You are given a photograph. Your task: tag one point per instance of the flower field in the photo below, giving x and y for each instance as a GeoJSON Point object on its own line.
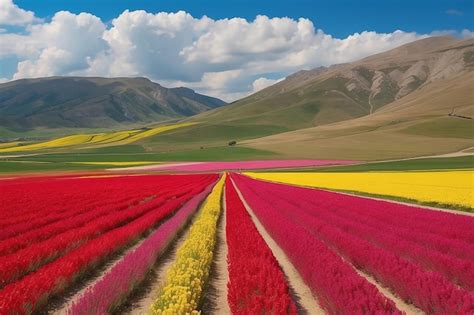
{"type": "Point", "coordinates": [417, 270]}
{"type": "Point", "coordinates": [239, 165]}
{"type": "Point", "coordinates": [116, 284]}
{"type": "Point", "coordinates": [92, 244]}
{"type": "Point", "coordinates": [452, 188]}
{"type": "Point", "coordinates": [45, 267]}
{"type": "Point", "coordinates": [97, 139]}
{"type": "Point", "coordinates": [253, 271]}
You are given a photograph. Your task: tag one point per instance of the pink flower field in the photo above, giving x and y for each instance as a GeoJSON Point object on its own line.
{"type": "Point", "coordinates": [238, 165]}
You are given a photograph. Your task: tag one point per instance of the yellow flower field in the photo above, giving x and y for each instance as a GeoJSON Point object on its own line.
{"type": "Point", "coordinates": [100, 139]}
{"type": "Point", "coordinates": [448, 188]}
{"type": "Point", "coordinates": [5, 145]}
{"type": "Point", "coordinates": [186, 278]}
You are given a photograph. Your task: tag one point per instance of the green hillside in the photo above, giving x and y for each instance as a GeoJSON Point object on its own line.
{"type": "Point", "coordinates": [415, 100]}
{"type": "Point", "coordinates": [56, 104]}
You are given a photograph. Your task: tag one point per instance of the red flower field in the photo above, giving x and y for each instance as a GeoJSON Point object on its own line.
{"type": "Point", "coordinates": [354, 254]}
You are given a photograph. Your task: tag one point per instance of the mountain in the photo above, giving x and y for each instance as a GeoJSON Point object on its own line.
{"type": "Point", "coordinates": [89, 102]}
{"type": "Point", "coordinates": [414, 100]}
{"type": "Point", "coordinates": [390, 105]}
{"type": "Point", "coordinates": [341, 92]}
{"type": "Point", "coordinates": [421, 102]}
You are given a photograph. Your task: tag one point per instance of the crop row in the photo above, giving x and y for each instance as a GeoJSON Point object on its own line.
{"type": "Point", "coordinates": [31, 292]}
{"type": "Point", "coordinates": [25, 227]}
{"type": "Point", "coordinates": [256, 284]}
{"type": "Point", "coordinates": [363, 218]}
{"type": "Point", "coordinates": [57, 198]}
{"type": "Point", "coordinates": [417, 274]}
{"type": "Point", "coordinates": [53, 202]}
{"type": "Point", "coordinates": [338, 287]}
{"type": "Point", "coordinates": [76, 216]}
{"type": "Point", "coordinates": [22, 236]}
{"type": "Point", "coordinates": [446, 188]}
{"type": "Point", "coordinates": [107, 293]}
{"type": "Point", "coordinates": [28, 259]}
{"type": "Point", "coordinates": [186, 278]}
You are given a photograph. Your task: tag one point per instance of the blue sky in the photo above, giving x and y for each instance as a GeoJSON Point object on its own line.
{"type": "Point", "coordinates": [337, 17]}
{"type": "Point", "coordinates": [227, 49]}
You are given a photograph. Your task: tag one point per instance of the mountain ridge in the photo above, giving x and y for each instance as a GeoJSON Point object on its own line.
{"type": "Point", "coordinates": [95, 102]}
{"type": "Point", "coordinates": [384, 106]}
{"type": "Point", "coordinates": [405, 102]}
{"type": "Point", "coordinates": [360, 87]}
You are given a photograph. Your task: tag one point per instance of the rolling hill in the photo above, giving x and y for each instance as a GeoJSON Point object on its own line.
{"type": "Point", "coordinates": [390, 105]}
{"type": "Point", "coordinates": [430, 103]}
{"type": "Point", "coordinates": [341, 92]}
{"type": "Point", "coordinates": [414, 100]}
{"type": "Point", "coordinates": [417, 125]}
{"type": "Point", "coordinates": [80, 102]}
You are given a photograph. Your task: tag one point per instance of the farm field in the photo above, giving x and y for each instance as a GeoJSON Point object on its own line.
{"type": "Point", "coordinates": [449, 188]}
{"type": "Point", "coordinates": [86, 244]}
{"type": "Point", "coordinates": [238, 165]}
{"type": "Point", "coordinates": [419, 164]}
{"type": "Point", "coordinates": [278, 158]}
{"type": "Point", "coordinates": [90, 140]}
{"type": "Point", "coordinates": [119, 156]}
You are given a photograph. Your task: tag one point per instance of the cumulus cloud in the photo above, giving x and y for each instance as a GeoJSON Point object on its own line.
{"type": "Point", "coordinates": [227, 58]}
{"type": "Point", "coordinates": [262, 83]}
{"type": "Point", "coordinates": [66, 44]}
{"type": "Point", "coordinates": [148, 44]}
{"type": "Point", "coordinates": [465, 33]}
{"type": "Point", "coordinates": [11, 14]}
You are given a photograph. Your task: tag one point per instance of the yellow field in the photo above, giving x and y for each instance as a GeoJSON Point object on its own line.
{"type": "Point", "coordinates": [448, 188]}
{"type": "Point", "coordinates": [186, 278]}
{"type": "Point", "coordinates": [9, 144]}
{"type": "Point", "coordinates": [106, 138]}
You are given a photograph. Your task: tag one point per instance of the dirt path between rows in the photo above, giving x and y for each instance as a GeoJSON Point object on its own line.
{"type": "Point", "coordinates": [302, 294]}
{"type": "Point", "coordinates": [60, 305]}
{"type": "Point", "coordinates": [215, 294]}
{"type": "Point", "coordinates": [140, 302]}
{"type": "Point", "coordinates": [215, 299]}
{"type": "Point", "coordinates": [303, 291]}
{"type": "Point", "coordinates": [409, 309]}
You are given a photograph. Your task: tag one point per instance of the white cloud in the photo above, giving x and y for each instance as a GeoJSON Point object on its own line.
{"type": "Point", "coordinates": [465, 33]}
{"type": "Point", "coordinates": [11, 14]}
{"type": "Point", "coordinates": [227, 58]}
{"type": "Point", "coordinates": [262, 83]}
{"type": "Point", "coordinates": [67, 44]}
{"type": "Point", "coordinates": [142, 43]}
{"type": "Point", "coordinates": [236, 41]}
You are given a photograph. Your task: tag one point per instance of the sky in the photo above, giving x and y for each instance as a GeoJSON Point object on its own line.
{"type": "Point", "coordinates": [227, 49]}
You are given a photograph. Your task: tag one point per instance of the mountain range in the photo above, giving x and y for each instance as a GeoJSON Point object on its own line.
{"type": "Point", "coordinates": [403, 102]}
{"type": "Point", "coordinates": [414, 100]}
{"type": "Point", "coordinates": [88, 102]}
